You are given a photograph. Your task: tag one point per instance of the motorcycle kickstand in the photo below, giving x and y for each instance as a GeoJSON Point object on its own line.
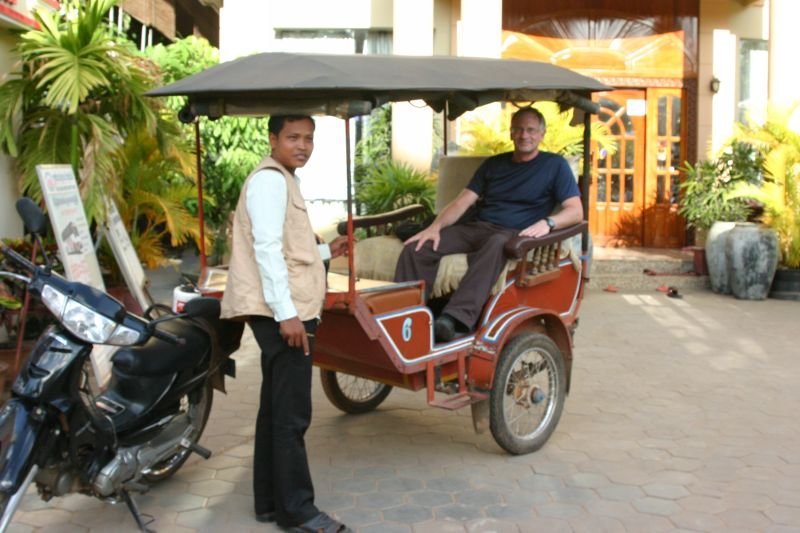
{"type": "Point", "coordinates": [137, 515]}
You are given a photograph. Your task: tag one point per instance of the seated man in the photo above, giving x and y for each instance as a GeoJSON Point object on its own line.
{"type": "Point", "coordinates": [517, 191]}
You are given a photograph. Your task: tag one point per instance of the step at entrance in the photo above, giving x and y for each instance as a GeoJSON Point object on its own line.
{"type": "Point", "coordinates": [645, 269]}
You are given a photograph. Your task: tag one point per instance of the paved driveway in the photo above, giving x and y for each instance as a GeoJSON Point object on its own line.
{"type": "Point", "coordinates": [683, 416]}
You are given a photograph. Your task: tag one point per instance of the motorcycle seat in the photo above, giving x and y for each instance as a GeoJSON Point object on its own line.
{"type": "Point", "coordinates": [157, 357]}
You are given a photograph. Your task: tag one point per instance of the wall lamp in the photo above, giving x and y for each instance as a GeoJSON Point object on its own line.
{"type": "Point", "coordinates": [714, 85]}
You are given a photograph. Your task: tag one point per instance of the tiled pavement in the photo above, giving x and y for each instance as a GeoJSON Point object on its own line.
{"type": "Point", "coordinates": [683, 416]}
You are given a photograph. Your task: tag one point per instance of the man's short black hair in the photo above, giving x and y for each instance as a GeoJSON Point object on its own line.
{"type": "Point", "coordinates": [533, 111]}
{"type": "Point", "coordinates": [276, 122]}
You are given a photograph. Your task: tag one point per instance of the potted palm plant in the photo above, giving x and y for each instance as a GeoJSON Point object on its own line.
{"type": "Point", "coordinates": [706, 205]}
{"type": "Point", "coordinates": [77, 97]}
{"type": "Point", "coordinates": [779, 194]}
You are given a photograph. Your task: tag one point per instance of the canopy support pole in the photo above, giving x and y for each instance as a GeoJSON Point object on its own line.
{"type": "Point", "coordinates": [200, 214]}
{"type": "Point", "coordinates": [444, 129]}
{"type": "Point", "coordinates": [586, 178]}
{"type": "Point", "coordinates": [351, 285]}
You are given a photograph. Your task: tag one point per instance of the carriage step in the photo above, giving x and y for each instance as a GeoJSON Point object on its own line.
{"type": "Point", "coordinates": [457, 401]}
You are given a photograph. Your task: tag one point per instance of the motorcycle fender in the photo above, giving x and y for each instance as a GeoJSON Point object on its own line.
{"type": "Point", "coordinates": [18, 436]}
{"type": "Point", "coordinates": [495, 335]}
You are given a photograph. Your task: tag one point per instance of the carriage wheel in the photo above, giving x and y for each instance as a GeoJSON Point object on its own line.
{"type": "Point", "coordinates": [352, 394]}
{"type": "Point", "coordinates": [528, 394]}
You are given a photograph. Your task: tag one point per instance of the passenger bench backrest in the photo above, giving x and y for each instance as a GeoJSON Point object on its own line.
{"type": "Point", "coordinates": [455, 171]}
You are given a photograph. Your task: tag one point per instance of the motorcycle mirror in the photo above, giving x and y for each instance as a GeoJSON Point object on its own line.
{"type": "Point", "coordinates": [202, 307]}
{"type": "Point", "coordinates": [32, 216]}
{"type": "Point", "coordinates": [35, 223]}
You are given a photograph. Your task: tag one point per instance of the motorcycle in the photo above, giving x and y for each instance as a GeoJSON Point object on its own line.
{"type": "Point", "coordinates": [65, 432]}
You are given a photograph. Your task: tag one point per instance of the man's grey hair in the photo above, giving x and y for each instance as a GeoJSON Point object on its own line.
{"type": "Point", "coordinates": [533, 111]}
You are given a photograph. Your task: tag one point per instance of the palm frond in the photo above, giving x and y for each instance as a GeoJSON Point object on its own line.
{"type": "Point", "coordinates": [779, 146]}
{"type": "Point", "coordinates": [490, 136]}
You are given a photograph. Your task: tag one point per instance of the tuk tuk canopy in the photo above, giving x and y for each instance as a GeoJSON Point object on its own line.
{"type": "Point", "coordinates": [351, 85]}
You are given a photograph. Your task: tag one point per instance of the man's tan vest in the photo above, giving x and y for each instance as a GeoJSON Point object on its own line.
{"type": "Point", "coordinates": [244, 295]}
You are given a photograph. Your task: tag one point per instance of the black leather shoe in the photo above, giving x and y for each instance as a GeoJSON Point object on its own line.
{"type": "Point", "coordinates": [322, 523]}
{"type": "Point", "coordinates": [444, 328]}
{"type": "Point", "coordinates": [266, 517]}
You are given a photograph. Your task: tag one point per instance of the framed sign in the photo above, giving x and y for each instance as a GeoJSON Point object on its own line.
{"type": "Point", "coordinates": [65, 208]}
{"type": "Point", "coordinates": [125, 254]}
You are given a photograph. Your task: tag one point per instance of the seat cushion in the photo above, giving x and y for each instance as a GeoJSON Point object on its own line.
{"type": "Point", "coordinates": [376, 258]}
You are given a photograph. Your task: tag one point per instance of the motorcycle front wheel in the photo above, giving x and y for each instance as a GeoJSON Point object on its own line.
{"type": "Point", "coordinates": [198, 407]}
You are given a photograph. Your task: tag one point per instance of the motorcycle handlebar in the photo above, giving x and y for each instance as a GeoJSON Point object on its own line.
{"type": "Point", "coordinates": [17, 259]}
{"type": "Point", "coordinates": [24, 263]}
{"type": "Point", "coordinates": [169, 337]}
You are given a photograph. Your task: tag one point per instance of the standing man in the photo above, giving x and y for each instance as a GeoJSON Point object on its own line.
{"type": "Point", "coordinates": [517, 191]}
{"type": "Point", "coordinates": [276, 281]}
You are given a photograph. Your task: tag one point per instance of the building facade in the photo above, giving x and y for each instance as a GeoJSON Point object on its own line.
{"type": "Point", "coordinates": [683, 72]}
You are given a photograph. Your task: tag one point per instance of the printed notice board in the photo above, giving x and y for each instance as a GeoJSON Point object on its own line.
{"type": "Point", "coordinates": [126, 256]}
{"type": "Point", "coordinates": [71, 229]}
{"type": "Point", "coordinates": [65, 208]}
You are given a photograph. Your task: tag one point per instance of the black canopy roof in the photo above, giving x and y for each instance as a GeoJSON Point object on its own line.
{"type": "Point", "coordinates": [350, 85]}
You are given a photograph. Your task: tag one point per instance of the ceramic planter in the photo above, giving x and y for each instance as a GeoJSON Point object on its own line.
{"type": "Point", "coordinates": [715, 257]}
{"type": "Point", "coordinates": [752, 254]}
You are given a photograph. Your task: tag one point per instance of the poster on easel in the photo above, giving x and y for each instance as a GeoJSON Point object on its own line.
{"type": "Point", "coordinates": [65, 208]}
{"type": "Point", "coordinates": [75, 247]}
{"type": "Point", "coordinates": [126, 256]}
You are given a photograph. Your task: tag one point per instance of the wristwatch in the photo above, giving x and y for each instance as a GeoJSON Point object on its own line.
{"type": "Point", "coordinates": [550, 223]}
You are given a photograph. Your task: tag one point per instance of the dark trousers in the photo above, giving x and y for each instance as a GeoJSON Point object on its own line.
{"type": "Point", "coordinates": [281, 478]}
{"type": "Point", "coordinates": [483, 243]}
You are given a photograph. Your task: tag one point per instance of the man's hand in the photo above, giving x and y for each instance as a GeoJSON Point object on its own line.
{"type": "Point", "coordinates": [294, 333]}
{"type": "Point", "coordinates": [539, 229]}
{"type": "Point", "coordinates": [431, 233]}
{"type": "Point", "coordinates": [338, 246]}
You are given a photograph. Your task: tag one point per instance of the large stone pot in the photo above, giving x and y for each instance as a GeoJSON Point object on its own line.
{"type": "Point", "coordinates": [752, 253]}
{"type": "Point", "coordinates": [715, 257]}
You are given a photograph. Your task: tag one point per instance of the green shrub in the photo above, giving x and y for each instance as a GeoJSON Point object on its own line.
{"type": "Point", "coordinates": [778, 147]}
{"type": "Point", "coordinates": [705, 194]}
{"type": "Point", "coordinates": [391, 185]}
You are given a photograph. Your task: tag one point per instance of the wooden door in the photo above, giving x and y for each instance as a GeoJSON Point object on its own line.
{"type": "Point", "coordinates": [666, 153]}
{"type": "Point", "coordinates": [617, 193]}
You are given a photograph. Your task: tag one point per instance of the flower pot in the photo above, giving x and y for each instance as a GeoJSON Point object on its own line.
{"type": "Point", "coordinates": [786, 284]}
{"type": "Point", "coordinates": [752, 254]}
{"type": "Point", "coordinates": [699, 260]}
{"type": "Point", "coordinates": [700, 237]}
{"type": "Point", "coordinates": [715, 257]}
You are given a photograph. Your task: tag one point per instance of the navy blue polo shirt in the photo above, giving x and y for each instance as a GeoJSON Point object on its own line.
{"type": "Point", "coordinates": [516, 195]}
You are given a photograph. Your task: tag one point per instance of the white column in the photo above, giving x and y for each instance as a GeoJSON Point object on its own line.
{"type": "Point", "coordinates": [784, 43]}
{"type": "Point", "coordinates": [480, 29]}
{"type": "Point", "coordinates": [412, 123]}
{"type": "Point", "coordinates": [723, 103]}
{"type": "Point", "coordinates": [10, 223]}
{"type": "Point", "coordinates": [479, 35]}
